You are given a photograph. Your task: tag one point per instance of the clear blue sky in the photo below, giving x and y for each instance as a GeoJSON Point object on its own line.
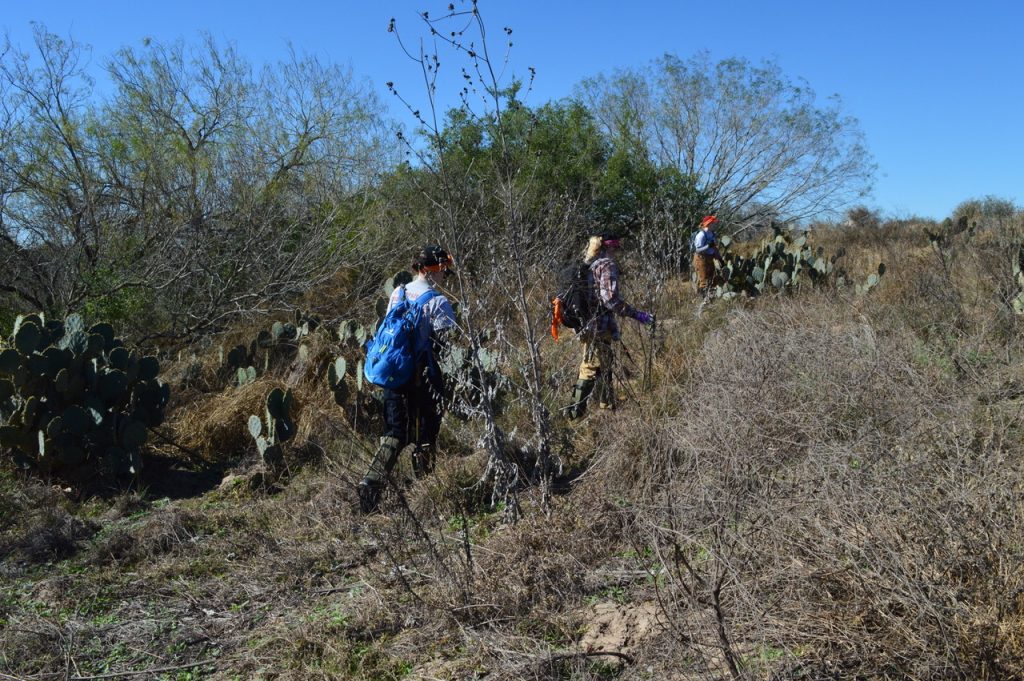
{"type": "Point", "coordinates": [938, 86]}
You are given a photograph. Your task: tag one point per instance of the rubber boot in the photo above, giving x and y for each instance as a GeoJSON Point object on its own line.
{"type": "Point", "coordinates": [372, 484]}
{"type": "Point", "coordinates": [580, 394]}
{"type": "Point", "coordinates": [422, 460]}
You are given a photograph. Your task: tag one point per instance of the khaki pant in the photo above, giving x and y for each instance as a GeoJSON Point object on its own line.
{"type": "Point", "coordinates": [597, 365]}
{"type": "Point", "coordinates": [704, 267]}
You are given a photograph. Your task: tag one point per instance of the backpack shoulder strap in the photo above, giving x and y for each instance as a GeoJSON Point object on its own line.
{"type": "Point", "coordinates": [423, 299]}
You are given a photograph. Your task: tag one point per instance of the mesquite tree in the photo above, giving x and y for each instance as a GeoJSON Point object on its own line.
{"type": "Point", "coordinates": [758, 145]}
{"type": "Point", "coordinates": [197, 190]}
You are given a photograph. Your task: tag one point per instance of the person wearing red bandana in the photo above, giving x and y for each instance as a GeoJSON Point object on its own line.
{"type": "Point", "coordinates": [705, 253]}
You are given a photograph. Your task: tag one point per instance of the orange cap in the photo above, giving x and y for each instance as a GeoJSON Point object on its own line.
{"type": "Point", "coordinates": [708, 219]}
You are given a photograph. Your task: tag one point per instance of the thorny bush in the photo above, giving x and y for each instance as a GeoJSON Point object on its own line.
{"type": "Point", "coordinates": [818, 496]}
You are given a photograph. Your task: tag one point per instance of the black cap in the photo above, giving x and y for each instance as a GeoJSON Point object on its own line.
{"type": "Point", "coordinates": [432, 256]}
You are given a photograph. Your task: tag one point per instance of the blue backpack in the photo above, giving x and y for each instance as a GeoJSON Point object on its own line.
{"type": "Point", "coordinates": [392, 355]}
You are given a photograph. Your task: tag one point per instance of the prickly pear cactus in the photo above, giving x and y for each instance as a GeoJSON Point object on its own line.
{"type": "Point", "coordinates": [352, 334]}
{"type": "Point", "coordinates": [238, 357]}
{"type": "Point", "coordinates": [353, 337]}
{"type": "Point", "coordinates": [275, 428]}
{"type": "Point", "coordinates": [72, 397]}
{"type": "Point", "coordinates": [336, 381]}
{"type": "Point", "coordinates": [400, 279]}
{"type": "Point", "coordinates": [282, 343]}
{"type": "Point", "coordinates": [467, 375]}
{"type": "Point", "coordinates": [782, 263]}
{"type": "Point", "coordinates": [872, 281]}
{"type": "Point", "coordinates": [246, 376]}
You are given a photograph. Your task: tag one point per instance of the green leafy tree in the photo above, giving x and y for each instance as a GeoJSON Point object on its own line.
{"type": "Point", "coordinates": [553, 157]}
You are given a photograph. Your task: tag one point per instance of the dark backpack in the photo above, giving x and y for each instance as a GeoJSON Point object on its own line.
{"type": "Point", "coordinates": [394, 352]}
{"type": "Point", "coordinates": [573, 294]}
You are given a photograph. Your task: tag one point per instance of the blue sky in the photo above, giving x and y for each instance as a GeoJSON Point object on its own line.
{"type": "Point", "coordinates": [938, 87]}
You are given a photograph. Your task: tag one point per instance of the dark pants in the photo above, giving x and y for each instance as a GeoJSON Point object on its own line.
{"type": "Point", "coordinates": [412, 413]}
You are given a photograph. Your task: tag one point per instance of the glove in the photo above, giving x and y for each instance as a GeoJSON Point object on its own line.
{"type": "Point", "coordinates": [644, 317]}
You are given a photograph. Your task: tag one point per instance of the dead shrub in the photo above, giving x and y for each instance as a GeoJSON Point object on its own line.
{"type": "Point", "coordinates": [49, 535]}
{"type": "Point", "coordinates": [38, 522]}
{"type": "Point", "coordinates": [820, 504]}
{"type": "Point", "coordinates": [27, 648]}
{"type": "Point", "coordinates": [217, 425]}
{"type": "Point", "coordinates": [132, 542]}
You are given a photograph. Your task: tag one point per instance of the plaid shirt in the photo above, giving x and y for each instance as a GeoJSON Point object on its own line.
{"type": "Point", "coordinates": [604, 289]}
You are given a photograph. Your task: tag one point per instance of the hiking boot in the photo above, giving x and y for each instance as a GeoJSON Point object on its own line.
{"type": "Point", "coordinates": [372, 484]}
{"type": "Point", "coordinates": [369, 495]}
{"type": "Point", "coordinates": [384, 460]}
{"type": "Point", "coordinates": [580, 394]}
{"type": "Point", "coordinates": [422, 461]}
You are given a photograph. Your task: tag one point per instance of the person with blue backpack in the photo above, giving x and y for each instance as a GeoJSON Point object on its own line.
{"type": "Point", "coordinates": [401, 359]}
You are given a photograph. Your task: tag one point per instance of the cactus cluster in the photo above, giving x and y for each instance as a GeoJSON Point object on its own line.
{"type": "Point", "coordinates": [336, 374]}
{"type": "Point", "coordinates": [72, 396]}
{"type": "Point", "coordinates": [457, 358]}
{"type": "Point", "coordinates": [781, 263]}
{"type": "Point", "coordinates": [943, 237]}
{"type": "Point", "coordinates": [353, 334]}
{"type": "Point", "coordinates": [283, 338]}
{"type": "Point", "coordinates": [871, 281]}
{"type": "Point", "coordinates": [275, 428]}
{"type": "Point", "coordinates": [353, 337]}
{"type": "Point", "coordinates": [467, 377]}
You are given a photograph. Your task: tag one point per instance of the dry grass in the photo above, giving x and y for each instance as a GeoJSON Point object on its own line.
{"type": "Point", "coordinates": [215, 424]}
{"type": "Point", "coordinates": [832, 491]}
{"type": "Point", "coordinates": [809, 486]}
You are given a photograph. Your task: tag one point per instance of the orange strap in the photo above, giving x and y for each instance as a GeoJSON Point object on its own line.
{"type": "Point", "coordinates": [556, 317]}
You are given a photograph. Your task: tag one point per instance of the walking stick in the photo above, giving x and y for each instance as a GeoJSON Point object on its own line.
{"type": "Point", "coordinates": [622, 381]}
{"type": "Point", "coordinates": [649, 369]}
